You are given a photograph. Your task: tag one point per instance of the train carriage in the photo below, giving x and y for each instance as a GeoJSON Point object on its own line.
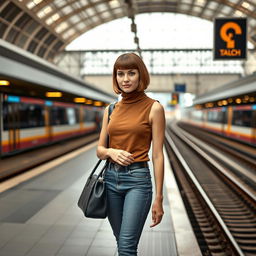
{"type": "Point", "coordinates": [30, 122]}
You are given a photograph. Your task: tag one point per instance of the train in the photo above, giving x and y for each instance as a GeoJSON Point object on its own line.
{"type": "Point", "coordinates": [236, 121]}
{"type": "Point", "coordinates": [41, 104]}
{"type": "Point", "coordinates": [29, 122]}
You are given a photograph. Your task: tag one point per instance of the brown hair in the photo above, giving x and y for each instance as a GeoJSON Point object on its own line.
{"type": "Point", "coordinates": [131, 61]}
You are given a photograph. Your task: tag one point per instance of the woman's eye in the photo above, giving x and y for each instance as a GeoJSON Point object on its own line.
{"type": "Point", "coordinates": [131, 73]}
{"type": "Point", "coordinates": [120, 74]}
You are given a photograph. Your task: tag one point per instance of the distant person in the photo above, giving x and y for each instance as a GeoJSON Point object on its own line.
{"type": "Point", "coordinates": [135, 122]}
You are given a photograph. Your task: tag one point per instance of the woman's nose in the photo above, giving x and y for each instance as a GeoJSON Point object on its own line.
{"type": "Point", "coordinates": [126, 77]}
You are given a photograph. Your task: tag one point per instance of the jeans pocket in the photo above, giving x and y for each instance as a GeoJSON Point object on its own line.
{"type": "Point", "coordinates": [140, 173]}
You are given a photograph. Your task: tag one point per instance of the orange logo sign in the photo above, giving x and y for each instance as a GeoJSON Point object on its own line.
{"type": "Point", "coordinates": [228, 37]}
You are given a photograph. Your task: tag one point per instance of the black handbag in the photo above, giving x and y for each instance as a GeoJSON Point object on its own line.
{"type": "Point", "coordinates": [93, 201]}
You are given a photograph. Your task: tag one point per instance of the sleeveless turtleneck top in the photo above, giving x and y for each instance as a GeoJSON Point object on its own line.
{"type": "Point", "coordinates": [129, 128]}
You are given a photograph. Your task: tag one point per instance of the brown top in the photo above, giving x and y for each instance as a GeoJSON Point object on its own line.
{"type": "Point", "coordinates": [129, 128]}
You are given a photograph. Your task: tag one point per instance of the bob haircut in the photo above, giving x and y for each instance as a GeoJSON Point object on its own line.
{"type": "Point", "coordinates": [131, 61]}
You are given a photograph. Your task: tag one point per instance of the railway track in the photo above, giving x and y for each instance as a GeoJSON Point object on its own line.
{"type": "Point", "coordinates": [238, 151]}
{"type": "Point", "coordinates": [221, 207]}
{"type": "Point", "coordinates": [229, 154]}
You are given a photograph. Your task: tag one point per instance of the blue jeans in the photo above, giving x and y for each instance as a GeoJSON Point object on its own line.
{"type": "Point", "coordinates": [129, 196]}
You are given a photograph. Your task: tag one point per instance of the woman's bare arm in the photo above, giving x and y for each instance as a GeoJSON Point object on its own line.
{"type": "Point", "coordinates": [158, 132]}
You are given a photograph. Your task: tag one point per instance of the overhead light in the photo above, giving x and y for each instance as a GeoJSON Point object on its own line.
{"type": "Point", "coordinates": [238, 101]}
{"type": "Point", "coordinates": [80, 100]}
{"type": "Point", "coordinates": [4, 83]}
{"type": "Point", "coordinates": [97, 103]}
{"type": "Point", "coordinates": [54, 94]}
{"type": "Point", "coordinates": [88, 101]}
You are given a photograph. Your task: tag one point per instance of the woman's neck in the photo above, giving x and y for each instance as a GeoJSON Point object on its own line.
{"type": "Point", "coordinates": [132, 97]}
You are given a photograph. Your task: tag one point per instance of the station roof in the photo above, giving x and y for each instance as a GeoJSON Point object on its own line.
{"type": "Point", "coordinates": [35, 76]}
{"type": "Point", "coordinates": [45, 27]}
{"type": "Point", "coordinates": [243, 86]}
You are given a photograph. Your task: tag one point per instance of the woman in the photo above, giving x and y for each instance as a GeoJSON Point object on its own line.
{"type": "Point", "coordinates": [135, 122]}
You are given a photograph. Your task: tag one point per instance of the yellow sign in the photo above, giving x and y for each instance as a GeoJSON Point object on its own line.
{"type": "Point", "coordinates": [230, 38]}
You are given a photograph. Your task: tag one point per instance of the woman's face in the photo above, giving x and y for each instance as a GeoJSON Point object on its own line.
{"type": "Point", "coordinates": [127, 79]}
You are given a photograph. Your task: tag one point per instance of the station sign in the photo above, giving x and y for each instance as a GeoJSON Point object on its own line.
{"type": "Point", "coordinates": [179, 87]}
{"type": "Point", "coordinates": [230, 38]}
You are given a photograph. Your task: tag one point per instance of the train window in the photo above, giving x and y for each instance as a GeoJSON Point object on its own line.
{"type": "Point", "coordinates": [72, 115]}
{"type": "Point", "coordinates": [6, 125]}
{"type": "Point", "coordinates": [20, 116]}
{"type": "Point", "coordinates": [197, 115]}
{"type": "Point", "coordinates": [216, 116]}
{"type": "Point", "coordinates": [242, 118]}
{"type": "Point", "coordinates": [89, 115]}
{"type": "Point", "coordinates": [62, 115]}
{"type": "Point", "coordinates": [31, 115]}
{"type": "Point", "coordinates": [58, 116]}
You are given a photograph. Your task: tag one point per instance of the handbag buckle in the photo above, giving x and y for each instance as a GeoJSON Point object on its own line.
{"type": "Point", "coordinates": [100, 179]}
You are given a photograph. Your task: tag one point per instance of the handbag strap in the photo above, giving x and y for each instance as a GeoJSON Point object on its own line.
{"type": "Point", "coordinates": [110, 110]}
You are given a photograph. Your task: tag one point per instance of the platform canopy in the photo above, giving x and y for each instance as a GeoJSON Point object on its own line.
{"type": "Point", "coordinates": [45, 27]}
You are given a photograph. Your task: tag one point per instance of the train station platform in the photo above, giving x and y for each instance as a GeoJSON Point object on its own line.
{"type": "Point", "coordinates": [40, 217]}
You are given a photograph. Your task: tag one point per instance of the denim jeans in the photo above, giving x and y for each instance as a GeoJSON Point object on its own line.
{"type": "Point", "coordinates": [129, 196]}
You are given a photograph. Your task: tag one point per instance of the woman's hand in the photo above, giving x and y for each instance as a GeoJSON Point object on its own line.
{"type": "Point", "coordinates": [121, 157]}
{"type": "Point", "coordinates": [157, 212]}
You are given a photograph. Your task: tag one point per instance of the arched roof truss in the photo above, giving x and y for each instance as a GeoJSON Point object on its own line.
{"type": "Point", "coordinates": [45, 27]}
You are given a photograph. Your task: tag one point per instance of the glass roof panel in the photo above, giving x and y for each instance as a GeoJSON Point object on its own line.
{"type": "Point", "coordinates": [184, 7]}
{"type": "Point", "coordinates": [94, 19]}
{"type": "Point", "coordinates": [53, 18]}
{"type": "Point", "coordinates": [117, 11]}
{"type": "Point", "coordinates": [114, 3]}
{"type": "Point", "coordinates": [84, 2]}
{"type": "Point", "coordinates": [46, 10]}
{"type": "Point", "coordinates": [226, 9]}
{"type": "Point", "coordinates": [33, 3]}
{"type": "Point", "coordinates": [252, 22]}
{"type": "Point", "coordinates": [197, 9]}
{"type": "Point", "coordinates": [234, 1]}
{"type": "Point", "coordinates": [59, 3]}
{"type": "Point", "coordinates": [66, 10]}
{"type": "Point", "coordinates": [239, 13]}
{"type": "Point", "coordinates": [186, 1]}
{"type": "Point", "coordinates": [74, 19]}
{"type": "Point", "coordinates": [212, 5]}
{"type": "Point", "coordinates": [208, 12]}
{"type": "Point", "coordinates": [69, 33]}
{"type": "Point", "coordinates": [81, 26]}
{"type": "Point", "coordinates": [101, 7]}
{"type": "Point", "coordinates": [248, 6]}
{"type": "Point", "coordinates": [90, 11]}
{"type": "Point", "coordinates": [200, 2]}
{"type": "Point", "coordinates": [62, 26]}
{"type": "Point", "coordinates": [105, 15]}
{"type": "Point", "coordinates": [30, 4]}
